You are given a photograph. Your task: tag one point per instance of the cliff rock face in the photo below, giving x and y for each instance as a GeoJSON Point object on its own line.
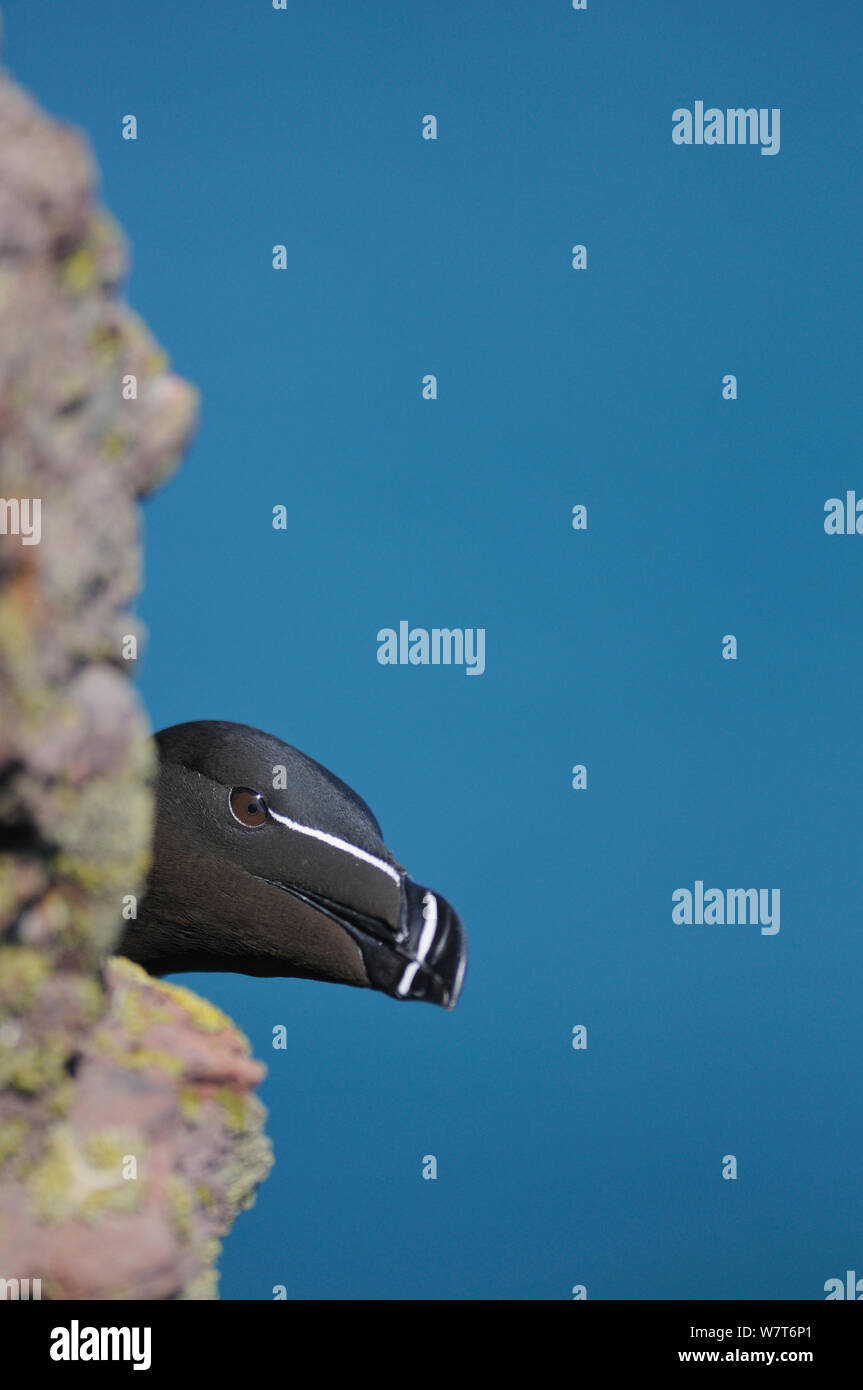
{"type": "Point", "coordinates": [129, 1134]}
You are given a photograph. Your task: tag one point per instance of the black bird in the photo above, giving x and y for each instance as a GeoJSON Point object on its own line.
{"type": "Point", "coordinates": [265, 863]}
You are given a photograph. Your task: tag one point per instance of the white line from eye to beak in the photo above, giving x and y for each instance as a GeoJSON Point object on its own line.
{"type": "Point", "coordinates": [337, 844]}
{"type": "Point", "coordinates": [427, 936]}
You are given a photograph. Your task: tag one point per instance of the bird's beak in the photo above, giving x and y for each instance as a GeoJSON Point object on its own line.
{"type": "Point", "coordinates": [423, 958]}
{"type": "Point", "coordinates": [430, 957]}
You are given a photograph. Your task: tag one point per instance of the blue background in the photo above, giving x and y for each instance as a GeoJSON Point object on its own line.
{"type": "Point", "coordinates": [258, 127]}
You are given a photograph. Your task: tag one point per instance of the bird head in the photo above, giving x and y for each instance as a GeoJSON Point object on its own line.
{"type": "Point", "coordinates": [265, 863]}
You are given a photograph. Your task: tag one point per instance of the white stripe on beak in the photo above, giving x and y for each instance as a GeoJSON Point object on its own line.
{"type": "Point", "coordinates": [427, 936]}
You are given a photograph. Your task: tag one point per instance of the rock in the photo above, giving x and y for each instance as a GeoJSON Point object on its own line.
{"type": "Point", "coordinates": [129, 1134]}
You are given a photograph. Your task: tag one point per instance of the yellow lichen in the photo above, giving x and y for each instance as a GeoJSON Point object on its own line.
{"type": "Point", "coordinates": [181, 1207]}
{"type": "Point", "coordinates": [114, 444]}
{"type": "Point", "coordinates": [89, 873]}
{"type": "Point", "coordinates": [60, 1098]}
{"type": "Point", "coordinates": [205, 1196]}
{"type": "Point", "coordinates": [107, 1148]}
{"type": "Point", "coordinates": [127, 969]}
{"type": "Point", "coordinates": [8, 876]}
{"type": "Point", "coordinates": [205, 1284]}
{"type": "Point", "coordinates": [23, 971]}
{"type": "Point", "coordinates": [106, 340]}
{"type": "Point", "coordinates": [51, 1180]}
{"type": "Point", "coordinates": [126, 1197]}
{"type": "Point", "coordinates": [92, 999]}
{"type": "Point", "coordinates": [137, 1011]}
{"type": "Point", "coordinates": [250, 1165]}
{"type": "Point", "coordinates": [157, 362]}
{"type": "Point", "coordinates": [200, 1012]}
{"type": "Point", "coordinates": [12, 1135]}
{"type": "Point", "coordinates": [86, 1179]}
{"type": "Point", "coordinates": [190, 1103]}
{"type": "Point", "coordinates": [33, 1068]}
{"type": "Point", "coordinates": [137, 1058]}
{"type": "Point", "coordinates": [79, 272]}
{"type": "Point", "coordinates": [234, 1109]}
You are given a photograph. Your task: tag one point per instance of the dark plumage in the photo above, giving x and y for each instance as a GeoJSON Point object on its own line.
{"type": "Point", "coordinates": [282, 880]}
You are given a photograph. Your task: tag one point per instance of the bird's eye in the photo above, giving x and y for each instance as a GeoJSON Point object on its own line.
{"type": "Point", "coordinates": [248, 807]}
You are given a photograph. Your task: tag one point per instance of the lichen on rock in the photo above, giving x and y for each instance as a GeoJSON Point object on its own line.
{"type": "Point", "coordinates": [130, 1134]}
